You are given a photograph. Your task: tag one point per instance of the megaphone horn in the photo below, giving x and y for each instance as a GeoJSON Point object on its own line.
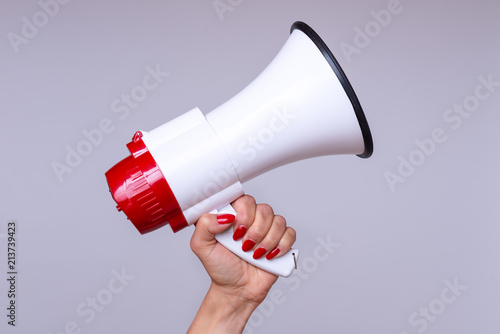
{"type": "Point", "coordinates": [301, 106]}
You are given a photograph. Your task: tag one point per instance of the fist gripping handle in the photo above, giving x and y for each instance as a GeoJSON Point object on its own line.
{"type": "Point", "coordinates": [280, 266]}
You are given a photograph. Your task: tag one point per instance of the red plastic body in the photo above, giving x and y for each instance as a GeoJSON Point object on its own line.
{"type": "Point", "coordinates": [142, 192]}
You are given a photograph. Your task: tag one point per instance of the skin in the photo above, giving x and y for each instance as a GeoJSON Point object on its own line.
{"type": "Point", "coordinates": [237, 288]}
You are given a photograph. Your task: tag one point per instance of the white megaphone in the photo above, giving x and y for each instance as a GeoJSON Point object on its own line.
{"type": "Point", "coordinates": [300, 106]}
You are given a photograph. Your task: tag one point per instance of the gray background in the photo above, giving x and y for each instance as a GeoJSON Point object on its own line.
{"type": "Point", "coordinates": [394, 251]}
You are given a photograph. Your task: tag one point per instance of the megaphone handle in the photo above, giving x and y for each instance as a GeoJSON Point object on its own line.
{"type": "Point", "coordinates": [281, 266]}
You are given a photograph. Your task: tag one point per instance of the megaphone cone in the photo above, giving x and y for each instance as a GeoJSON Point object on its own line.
{"type": "Point", "coordinates": [301, 106]}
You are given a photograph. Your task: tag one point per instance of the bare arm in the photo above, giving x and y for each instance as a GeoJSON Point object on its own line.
{"type": "Point", "coordinates": [237, 288]}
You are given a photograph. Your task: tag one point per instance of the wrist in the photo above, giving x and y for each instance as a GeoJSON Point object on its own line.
{"type": "Point", "coordinates": [236, 299]}
{"type": "Point", "coordinates": [222, 311]}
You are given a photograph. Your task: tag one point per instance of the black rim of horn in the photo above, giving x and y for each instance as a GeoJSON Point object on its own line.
{"type": "Point", "coordinates": [360, 115]}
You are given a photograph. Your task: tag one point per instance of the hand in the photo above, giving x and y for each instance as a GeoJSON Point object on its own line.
{"type": "Point", "coordinates": [238, 287]}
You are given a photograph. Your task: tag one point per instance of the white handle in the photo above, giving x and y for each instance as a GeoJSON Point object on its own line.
{"type": "Point", "coordinates": [282, 266]}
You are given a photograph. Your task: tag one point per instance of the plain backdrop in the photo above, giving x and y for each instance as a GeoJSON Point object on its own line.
{"type": "Point", "coordinates": [404, 242]}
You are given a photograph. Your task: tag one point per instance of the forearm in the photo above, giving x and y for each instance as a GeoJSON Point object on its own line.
{"type": "Point", "coordinates": [221, 313]}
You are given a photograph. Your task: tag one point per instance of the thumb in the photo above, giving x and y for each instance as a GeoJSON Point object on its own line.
{"type": "Point", "coordinates": [203, 239]}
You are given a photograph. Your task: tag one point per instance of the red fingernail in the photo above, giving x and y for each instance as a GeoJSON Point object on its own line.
{"type": "Point", "coordinates": [273, 253]}
{"type": "Point", "coordinates": [225, 218]}
{"type": "Point", "coordinates": [259, 252]}
{"type": "Point", "coordinates": [247, 245]}
{"type": "Point", "coordinates": [239, 233]}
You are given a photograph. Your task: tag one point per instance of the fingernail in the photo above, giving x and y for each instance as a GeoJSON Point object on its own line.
{"type": "Point", "coordinates": [273, 253]}
{"type": "Point", "coordinates": [239, 233]}
{"type": "Point", "coordinates": [225, 218]}
{"type": "Point", "coordinates": [247, 245]}
{"type": "Point", "coordinates": [259, 252]}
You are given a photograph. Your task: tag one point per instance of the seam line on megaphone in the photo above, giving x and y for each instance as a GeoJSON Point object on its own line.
{"type": "Point", "coordinates": [224, 148]}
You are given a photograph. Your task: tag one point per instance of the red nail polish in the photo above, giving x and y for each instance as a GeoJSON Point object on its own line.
{"type": "Point", "coordinates": [247, 245]}
{"type": "Point", "coordinates": [239, 233]}
{"type": "Point", "coordinates": [259, 252]}
{"type": "Point", "coordinates": [273, 253]}
{"type": "Point", "coordinates": [225, 218]}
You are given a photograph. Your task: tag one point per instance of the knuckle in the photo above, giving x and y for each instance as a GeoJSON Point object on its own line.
{"type": "Point", "coordinates": [258, 231]}
{"type": "Point", "coordinates": [280, 221]}
{"type": "Point", "coordinates": [193, 243]}
{"type": "Point", "coordinates": [265, 210]}
{"type": "Point", "coordinates": [247, 200]}
{"type": "Point", "coordinates": [292, 233]}
{"type": "Point", "coordinates": [243, 217]}
{"type": "Point", "coordinates": [204, 220]}
{"type": "Point", "coordinates": [245, 208]}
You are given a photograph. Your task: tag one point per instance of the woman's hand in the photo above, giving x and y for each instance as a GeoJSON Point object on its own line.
{"type": "Point", "coordinates": [237, 287]}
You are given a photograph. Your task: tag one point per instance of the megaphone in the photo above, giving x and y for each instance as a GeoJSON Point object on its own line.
{"type": "Point", "coordinates": [301, 106]}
